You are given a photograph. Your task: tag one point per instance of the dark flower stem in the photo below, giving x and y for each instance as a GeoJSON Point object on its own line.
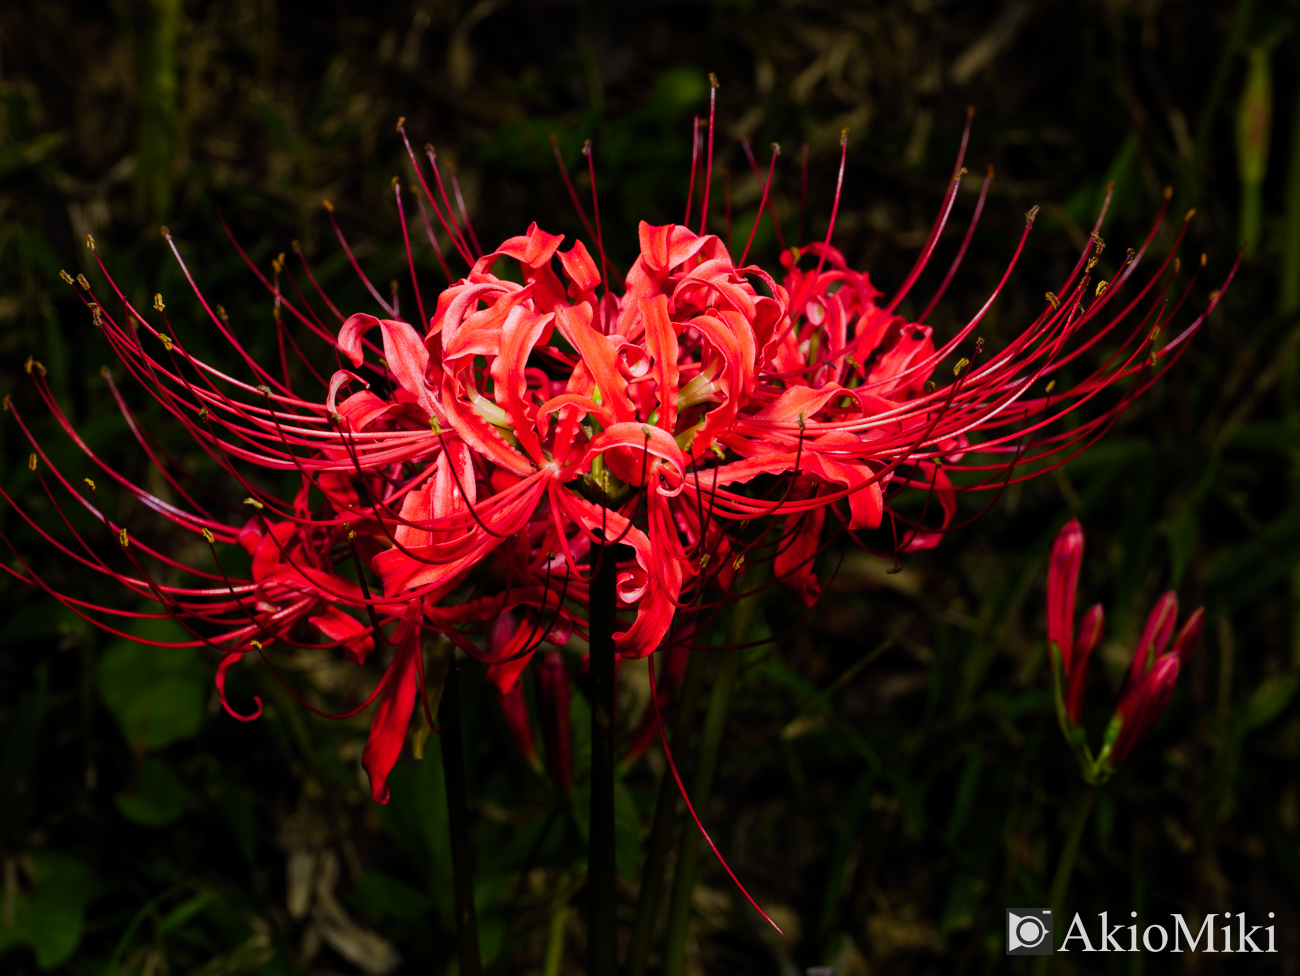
{"type": "Point", "coordinates": [661, 834]}
{"type": "Point", "coordinates": [1065, 868]}
{"type": "Point", "coordinates": [453, 770]}
{"type": "Point", "coordinates": [715, 720]}
{"type": "Point", "coordinates": [602, 936]}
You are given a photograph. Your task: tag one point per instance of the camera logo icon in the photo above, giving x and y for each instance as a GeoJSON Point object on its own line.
{"type": "Point", "coordinates": [1029, 931]}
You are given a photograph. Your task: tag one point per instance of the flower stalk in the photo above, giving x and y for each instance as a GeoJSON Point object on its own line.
{"type": "Point", "coordinates": [688, 850]}
{"type": "Point", "coordinates": [602, 933]}
{"type": "Point", "coordinates": [453, 768]}
{"type": "Point", "coordinates": [661, 832]}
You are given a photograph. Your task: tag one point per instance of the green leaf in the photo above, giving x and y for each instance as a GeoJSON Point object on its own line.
{"type": "Point", "coordinates": [49, 918]}
{"type": "Point", "coordinates": [627, 831]}
{"type": "Point", "coordinates": [1267, 702]}
{"type": "Point", "coordinates": [1183, 532]}
{"type": "Point", "coordinates": [381, 894]}
{"type": "Point", "coordinates": [158, 797]}
{"type": "Point", "coordinates": [155, 693]}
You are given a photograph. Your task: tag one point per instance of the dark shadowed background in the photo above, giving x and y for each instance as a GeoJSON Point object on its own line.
{"type": "Point", "coordinates": [886, 812]}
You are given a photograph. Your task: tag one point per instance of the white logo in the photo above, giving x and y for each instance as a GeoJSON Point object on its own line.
{"type": "Point", "coordinates": [1029, 931]}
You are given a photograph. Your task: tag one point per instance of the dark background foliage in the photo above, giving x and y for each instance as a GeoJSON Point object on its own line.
{"type": "Point", "coordinates": [893, 776]}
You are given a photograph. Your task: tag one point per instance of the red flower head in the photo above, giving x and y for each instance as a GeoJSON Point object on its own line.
{"type": "Point", "coordinates": [468, 468]}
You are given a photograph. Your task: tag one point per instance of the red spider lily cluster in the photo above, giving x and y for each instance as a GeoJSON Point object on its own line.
{"type": "Point", "coordinates": [1152, 673]}
{"type": "Point", "coordinates": [463, 471]}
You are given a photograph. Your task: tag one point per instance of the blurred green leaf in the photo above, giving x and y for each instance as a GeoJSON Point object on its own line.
{"type": "Point", "coordinates": [19, 754]}
{"type": "Point", "coordinates": [155, 693]}
{"type": "Point", "coordinates": [378, 893]}
{"type": "Point", "coordinates": [49, 917]}
{"type": "Point", "coordinates": [157, 798]}
{"type": "Point", "coordinates": [627, 831]}
{"type": "Point", "coordinates": [1267, 702]}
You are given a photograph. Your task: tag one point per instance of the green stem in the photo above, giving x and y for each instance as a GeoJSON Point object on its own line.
{"type": "Point", "coordinates": [602, 935]}
{"type": "Point", "coordinates": [554, 955]}
{"type": "Point", "coordinates": [453, 770]}
{"type": "Point", "coordinates": [156, 134]}
{"type": "Point", "coordinates": [1289, 278]}
{"type": "Point", "coordinates": [679, 906]}
{"type": "Point", "coordinates": [1065, 867]}
{"type": "Point", "coordinates": [661, 833]}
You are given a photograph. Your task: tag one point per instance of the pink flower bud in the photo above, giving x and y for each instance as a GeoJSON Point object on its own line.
{"type": "Point", "coordinates": [1062, 584]}
{"type": "Point", "coordinates": [1090, 630]}
{"type": "Point", "coordinates": [1189, 636]}
{"type": "Point", "coordinates": [515, 710]}
{"type": "Point", "coordinates": [1155, 635]}
{"type": "Point", "coordinates": [1143, 705]}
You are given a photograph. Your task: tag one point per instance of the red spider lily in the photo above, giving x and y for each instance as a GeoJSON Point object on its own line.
{"type": "Point", "coordinates": [1151, 676]}
{"type": "Point", "coordinates": [467, 465]}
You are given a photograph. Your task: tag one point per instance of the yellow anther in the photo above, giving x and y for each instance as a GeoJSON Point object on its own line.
{"type": "Point", "coordinates": [1178, 264]}
{"type": "Point", "coordinates": [979, 343]}
{"type": "Point", "coordinates": [738, 562]}
{"type": "Point", "coordinates": [844, 137]}
{"type": "Point", "coordinates": [1203, 260]}
{"type": "Point", "coordinates": [1092, 262]}
{"type": "Point", "coordinates": [713, 80]}
{"type": "Point", "coordinates": [34, 364]}
{"type": "Point", "coordinates": [1031, 215]}
{"type": "Point", "coordinates": [6, 403]}
{"type": "Point", "coordinates": [394, 182]}
{"type": "Point", "coordinates": [208, 536]}
{"type": "Point", "coordinates": [166, 341]}
{"type": "Point", "coordinates": [221, 314]}
{"type": "Point", "coordinates": [81, 280]}
{"type": "Point", "coordinates": [89, 484]}
{"type": "Point", "coordinates": [961, 364]}
{"type": "Point", "coordinates": [351, 535]}
{"type": "Point", "coordinates": [263, 389]}
{"type": "Point", "coordinates": [401, 120]}
{"type": "Point", "coordinates": [776, 149]}
{"type": "Point", "coordinates": [1101, 287]}
{"type": "Point", "coordinates": [256, 644]}
{"type": "Point", "coordinates": [158, 305]}
{"type": "Point", "coordinates": [704, 561]}
{"type": "Point", "coordinates": [278, 264]}
{"type": "Point", "coordinates": [90, 242]}
{"type": "Point", "coordinates": [31, 462]}
{"type": "Point", "coordinates": [930, 386]}
{"type": "Point", "coordinates": [1169, 192]}
{"type": "Point", "coordinates": [122, 539]}
{"type": "Point", "coordinates": [254, 502]}
{"type": "Point", "coordinates": [97, 315]}
{"type": "Point", "coordinates": [66, 277]}
{"type": "Point", "coordinates": [1101, 245]}
{"type": "Point", "coordinates": [1053, 300]}
{"type": "Point", "coordinates": [1190, 214]}
{"type": "Point", "coordinates": [295, 246]}
{"type": "Point", "coordinates": [203, 412]}
{"type": "Point", "coordinates": [1051, 385]}
{"type": "Point", "coordinates": [327, 205]}
{"type": "Point", "coordinates": [434, 425]}
{"type": "Point", "coordinates": [1129, 256]}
